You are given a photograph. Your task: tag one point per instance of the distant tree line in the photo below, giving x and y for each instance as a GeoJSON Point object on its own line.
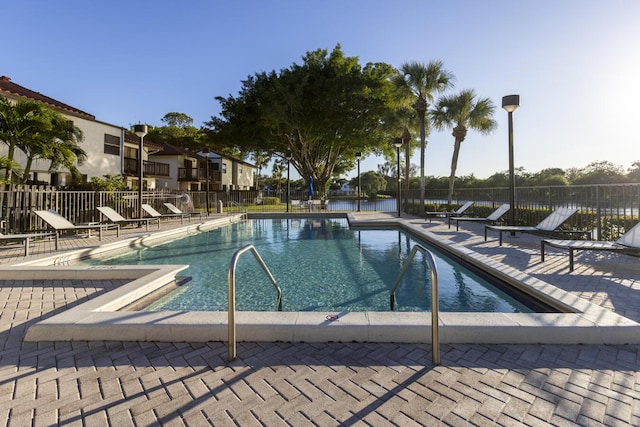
{"type": "Point", "coordinates": [598, 172]}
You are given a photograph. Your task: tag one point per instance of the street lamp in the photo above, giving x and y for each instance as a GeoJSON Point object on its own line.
{"type": "Point", "coordinates": [205, 152]}
{"type": "Point", "coordinates": [140, 130]}
{"type": "Point", "coordinates": [288, 157]}
{"type": "Point", "coordinates": [358, 157]}
{"type": "Point", "coordinates": [510, 103]}
{"type": "Point", "coordinates": [398, 143]}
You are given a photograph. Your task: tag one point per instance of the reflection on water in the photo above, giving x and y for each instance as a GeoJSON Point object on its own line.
{"type": "Point", "coordinates": [320, 265]}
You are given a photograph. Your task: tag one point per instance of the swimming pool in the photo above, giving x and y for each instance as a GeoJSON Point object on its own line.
{"type": "Point", "coordinates": [321, 264]}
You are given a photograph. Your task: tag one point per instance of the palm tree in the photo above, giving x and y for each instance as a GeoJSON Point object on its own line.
{"type": "Point", "coordinates": [422, 81]}
{"type": "Point", "coordinates": [461, 112]}
{"type": "Point", "coordinates": [19, 122]}
{"type": "Point", "coordinates": [57, 141]}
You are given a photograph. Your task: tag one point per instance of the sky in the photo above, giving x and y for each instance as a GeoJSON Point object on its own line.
{"type": "Point", "coordinates": [574, 63]}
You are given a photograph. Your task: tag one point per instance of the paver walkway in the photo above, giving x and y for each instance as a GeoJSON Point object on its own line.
{"type": "Point", "coordinates": [145, 384]}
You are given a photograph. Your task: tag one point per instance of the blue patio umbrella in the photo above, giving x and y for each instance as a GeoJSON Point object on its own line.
{"type": "Point", "coordinates": [310, 190]}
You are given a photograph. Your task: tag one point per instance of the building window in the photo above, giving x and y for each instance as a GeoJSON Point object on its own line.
{"type": "Point", "coordinates": [130, 153]}
{"type": "Point", "coordinates": [224, 168]}
{"type": "Point", "coordinates": [111, 144]}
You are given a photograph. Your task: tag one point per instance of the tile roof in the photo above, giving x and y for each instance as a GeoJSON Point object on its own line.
{"type": "Point", "coordinates": [13, 90]}
{"type": "Point", "coordinates": [129, 137]}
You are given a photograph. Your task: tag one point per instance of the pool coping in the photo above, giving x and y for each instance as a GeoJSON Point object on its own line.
{"type": "Point", "coordinates": [582, 323]}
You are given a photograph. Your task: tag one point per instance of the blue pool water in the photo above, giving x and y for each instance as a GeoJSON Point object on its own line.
{"type": "Point", "coordinates": [320, 265]}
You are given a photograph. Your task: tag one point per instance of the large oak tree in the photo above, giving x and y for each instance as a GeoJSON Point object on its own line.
{"type": "Point", "coordinates": [322, 112]}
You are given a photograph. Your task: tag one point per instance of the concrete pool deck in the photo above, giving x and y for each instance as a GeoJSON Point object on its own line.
{"type": "Point", "coordinates": [127, 383]}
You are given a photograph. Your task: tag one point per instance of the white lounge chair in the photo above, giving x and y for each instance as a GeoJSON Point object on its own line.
{"type": "Point", "coordinates": [495, 215]}
{"type": "Point", "coordinates": [25, 238]}
{"type": "Point", "coordinates": [628, 244]}
{"type": "Point", "coordinates": [314, 204]}
{"type": "Point", "coordinates": [173, 209]}
{"type": "Point", "coordinates": [549, 225]}
{"type": "Point", "coordinates": [60, 224]}
{"type": "Point", "coordinates": [448, 215]}
{"type": "Point", "coordinates": [155, 214]}
{"type": "Point", "coordinates": [116, 218]}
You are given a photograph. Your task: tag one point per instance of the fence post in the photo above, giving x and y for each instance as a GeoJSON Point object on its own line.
{"type": "Point", "coordinates": [598, 215]}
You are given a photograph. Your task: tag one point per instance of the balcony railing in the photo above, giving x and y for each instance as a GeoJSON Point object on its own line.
{"type": "Point", "coordinates": [191, 174]}
{"type": "Point", "coordinates": [149, 168]}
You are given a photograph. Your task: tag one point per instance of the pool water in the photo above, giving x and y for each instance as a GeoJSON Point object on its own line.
{"type": "Point", "coordinates": [320, 265]}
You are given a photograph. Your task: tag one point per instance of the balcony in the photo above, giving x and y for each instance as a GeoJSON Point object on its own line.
{"type": "Point", "coordinates": [191, 174]}
{"type": "Point", "coordinates": [149, 168]}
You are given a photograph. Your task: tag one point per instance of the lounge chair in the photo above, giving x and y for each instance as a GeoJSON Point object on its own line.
{"type": "Point", "coordinates": [628, 244]}
{"type": "Point", "coordinates": [495, 215]}
{"type": "Point", "coordinates": [60, 224]}
{"type": "Point", "coordinates": [24, 238]}
{"type": "Point", "coordinates": [173, 209]}
{"type": "Point", "coordinates": [314, 204]}
{"type": "Point", "coordinates": [549, 225]}
{"type": "Point", "coordinates": [448, 215]}
{"type": "Point", "coordinates": [155, 214]}
{"type": "Point", "coordinates": [116, 218]}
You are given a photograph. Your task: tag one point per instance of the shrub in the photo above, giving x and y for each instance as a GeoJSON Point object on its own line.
{"type": "Point", "coordinates": [271, 201]}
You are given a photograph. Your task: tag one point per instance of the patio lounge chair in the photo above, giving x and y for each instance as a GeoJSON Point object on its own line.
{"type": "Point", "coordinates": [155, 214]}
{"type": "Point", "coordinates": [24, 238]}
{"type": "Point", "coordinates": [173, 209]}
{"type": "Point", "coordinates": [116, 218]}
{"type": "Point", "coordinates": [628, 244]}
{"type": "Point", "coordinates": [448, 215]}
{"type": "Point", "coordinates": [59, 224]}
{"type": "Point", "coordinates": [549, 225]}
{"type": "Point", "coordinates": [495, 215]}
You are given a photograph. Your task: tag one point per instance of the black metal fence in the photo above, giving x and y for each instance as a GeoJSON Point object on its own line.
{"type": "Point", "coordinates": [607, 211]}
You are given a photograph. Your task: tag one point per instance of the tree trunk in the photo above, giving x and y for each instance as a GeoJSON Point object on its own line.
{"type": "Point", "coordinates": [421, 109]}
{"type": "Point", "coordinates": [459, 133]}
{"type": "Point", "coordinates": [27, 170]}
{"type": "Point", "coordinates": [406, 139]}
{"type": "Point", "coordinates": [9, 171]}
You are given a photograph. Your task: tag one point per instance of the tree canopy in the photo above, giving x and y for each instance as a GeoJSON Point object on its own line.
{"type": "Point", "coordinates": [177, 131]}
{"type": "Point", "coordinates": [322, 112]}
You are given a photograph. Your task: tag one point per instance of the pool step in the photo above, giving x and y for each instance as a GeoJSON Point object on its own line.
{"type": "Point", "coordinates": [143, 302]}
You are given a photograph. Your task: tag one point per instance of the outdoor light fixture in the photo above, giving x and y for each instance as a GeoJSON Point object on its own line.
{"type": "Point", "coordinates": [288, 157]}
{"type": "Point", "coordinates": [397, 142]}
{"type": "Point", "coordinates": [140, 130]}
{"type": "Point", "coordinates": [358, 157]}
{"type": "Point", "coordinates": [510, 103]}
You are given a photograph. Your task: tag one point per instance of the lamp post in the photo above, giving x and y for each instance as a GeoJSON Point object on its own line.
{"type": "Point", "coordinates": [288, 157]}
{"type": "Point", "coordinates": [397, 142]}
{"type": "Point", "coordinates": [140, 130]}
{"type": "Point", "coordinates": [206, 151]}
{"type": "Point", "coordinates": [510, 103]}
{"type": "Point", "coordinates": [358, 157]}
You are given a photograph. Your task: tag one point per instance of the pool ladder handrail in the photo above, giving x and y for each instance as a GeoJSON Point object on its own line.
{"type": "Point", "coordinates": [241, 207]}
{"type": "Point", "coordinates": [435, 339]}
{"type": "Point", "coordinates": [232, 292]}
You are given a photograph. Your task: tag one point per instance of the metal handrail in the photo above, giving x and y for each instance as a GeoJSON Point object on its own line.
{"type": "Point", "coordinates": [242, 208]}
{"type": "Point", "coordinates": [435, 340]}
{"type": "Point", "coordinates": [232, 293]}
